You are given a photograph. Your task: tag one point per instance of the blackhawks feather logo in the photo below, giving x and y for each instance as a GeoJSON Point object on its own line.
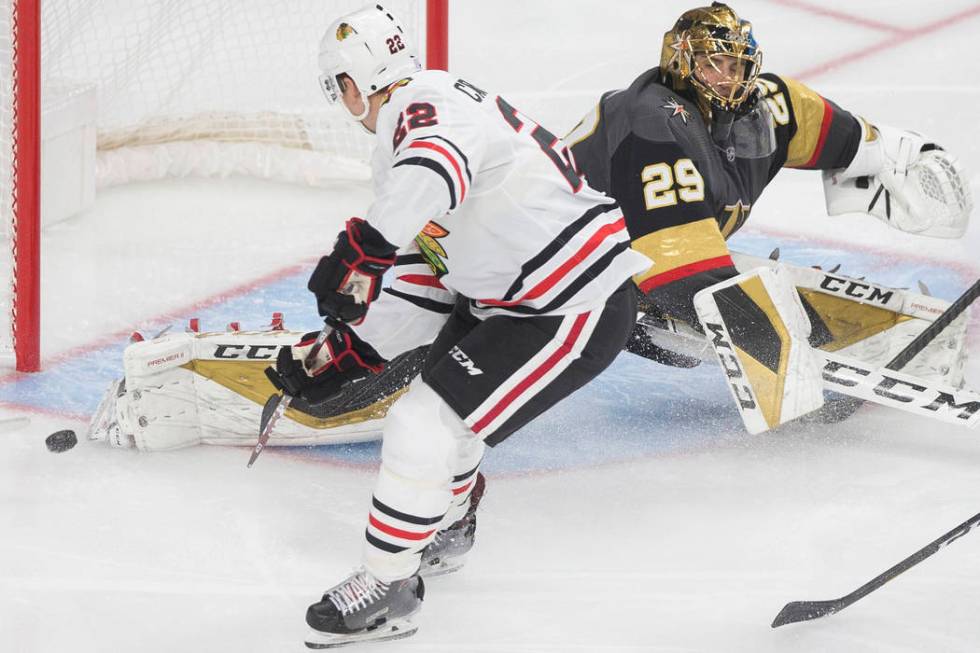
{"type": "Point", "coordinates": [428, 243]}
{"type": "Point", "coordinates": [344, 30]}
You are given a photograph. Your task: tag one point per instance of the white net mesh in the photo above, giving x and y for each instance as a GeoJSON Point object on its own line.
{"type": "Point", "coordinates": [193, 87]}
{"type": "Point", "coordinates": [232, 71]}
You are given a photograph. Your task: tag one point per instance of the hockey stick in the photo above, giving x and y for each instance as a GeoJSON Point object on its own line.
{"type": "Point", "coordinates": [796, 611]}
{"type": "Point", "coordinates": [276, 405]}
{"type": "Point", "coordinates": [909, 352]}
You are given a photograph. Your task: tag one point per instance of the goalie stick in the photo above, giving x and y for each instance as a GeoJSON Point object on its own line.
{"type": "Point", "coordinates": [796, 611]}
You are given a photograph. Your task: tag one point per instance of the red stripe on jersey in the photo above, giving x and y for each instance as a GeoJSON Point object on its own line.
{"type": "Point", "coordinates": [552, 279]}
{"type": "Point", "coordinates": [563, 350]}
{"type": "Point", "coordinates": [422, 280]}
{"type": "Point", "coordinates": [683, 271]}
{"type": "Point", "coordinates": [443, 151]}
{"type": "Point", "coordinates": [828, 116]}
{"type": "Point", "coordinates": [397, 532]}
{"type": "Point", "coordinates": [460, 490]}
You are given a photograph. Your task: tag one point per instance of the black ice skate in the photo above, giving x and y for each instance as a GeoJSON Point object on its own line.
{"type": "Point", "coordinates": [364, 609]}
{"type": "Point", "coordinates": [447, 552]}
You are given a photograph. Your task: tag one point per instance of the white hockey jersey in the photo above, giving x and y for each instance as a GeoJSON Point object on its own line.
{"type": "Point", "coordinates": [487, 204]}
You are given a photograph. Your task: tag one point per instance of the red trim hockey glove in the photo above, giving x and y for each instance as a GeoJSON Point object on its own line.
{"type": "Point", "coordinates": [343, 359]}
{"type": "Point", "coordinates": [347, 280]}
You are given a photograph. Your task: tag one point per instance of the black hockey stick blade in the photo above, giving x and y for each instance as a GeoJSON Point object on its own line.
{"type": "Point", "coordinates": [276, 405]}
{"type": "Point", "coordinates": [808, 610]}
{"type": "Point", "coordinates": [273, 409]}
{"type": "Point", "coordinates": [268, 409]}
{"type": "Point", "coordinates": [805, 611]}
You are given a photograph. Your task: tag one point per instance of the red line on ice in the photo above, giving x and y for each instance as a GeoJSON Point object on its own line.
{"type": "Point", "coordinates": [893, 41]}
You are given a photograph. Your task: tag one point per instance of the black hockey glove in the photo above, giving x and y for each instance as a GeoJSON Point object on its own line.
{"type": "Point", "coordinates": [347, 280]}
{"type": "Point", "coordinates": [343, 359]}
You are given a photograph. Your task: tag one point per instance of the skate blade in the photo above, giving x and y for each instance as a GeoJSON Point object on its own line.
{"type": "Point", "coordinates": [441, 568]}
{"type": "Point", "coordinates": [392, 630]}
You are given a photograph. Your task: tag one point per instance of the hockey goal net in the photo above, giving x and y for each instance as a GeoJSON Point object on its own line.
{"type": "Point", "coordinates": [203, 87]}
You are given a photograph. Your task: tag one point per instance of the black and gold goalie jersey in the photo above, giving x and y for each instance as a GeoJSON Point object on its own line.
{"type": "Point", "coordinates": [683, 195]}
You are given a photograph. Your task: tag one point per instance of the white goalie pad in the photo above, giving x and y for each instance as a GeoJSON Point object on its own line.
{"type": "Point", "coordinates": [873, 323]}
{"type": "Point", "coordinates": [866, 321]}
{"type": "Point", "coordinates": [759, 330]}
{"type": "Point", "coordinates": [858, 327]}
{"type": "Point", "coordinates": [184, 389]}
{"type": "Point", "coordinates": [909, 184]}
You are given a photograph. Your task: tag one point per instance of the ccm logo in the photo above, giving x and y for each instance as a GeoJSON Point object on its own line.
{"type": "Point", "coordinates": [856, 289]}
{"type": "Point", "coordinates": [729, 363]}
{"type": "Point", "coordinates": [457, 355]}
{"type": "Point", "coordinates": [252, 352]}
{"type": "Point", "coordinates": [903, 391]}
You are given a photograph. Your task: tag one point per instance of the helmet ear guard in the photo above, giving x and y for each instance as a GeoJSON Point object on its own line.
{"type": "Point", "coordinates": [369, 46]}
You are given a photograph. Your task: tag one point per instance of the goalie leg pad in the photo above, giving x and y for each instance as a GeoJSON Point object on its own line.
{"type": "Point", "coordinates": [183, 389]}
{"type": "Point", "coordinates": [759, 329]}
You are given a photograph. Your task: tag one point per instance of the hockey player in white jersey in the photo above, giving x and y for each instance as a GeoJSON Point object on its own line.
{"type": "Point", "coordinates": [515, 269]}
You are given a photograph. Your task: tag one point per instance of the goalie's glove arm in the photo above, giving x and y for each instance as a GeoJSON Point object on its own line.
{"type": "Point", "coordinates": [905, 180]}
{"type": "Point", "coordinates": [347, 280]}
{"type": "Point", "coordinates": [812, 132]}
{"type": "Point", "coordinates": [343, 359]}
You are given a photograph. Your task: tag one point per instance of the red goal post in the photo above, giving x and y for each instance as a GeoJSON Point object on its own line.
{"type": "Point", "coordinates": [166, 74]}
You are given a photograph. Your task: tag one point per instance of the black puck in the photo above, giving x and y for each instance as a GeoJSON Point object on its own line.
{"type": "Point", "coordinates": [61, 441]}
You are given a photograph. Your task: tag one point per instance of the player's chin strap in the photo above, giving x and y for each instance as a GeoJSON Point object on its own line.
{"type": "Point", "coordinates": [904, 180]}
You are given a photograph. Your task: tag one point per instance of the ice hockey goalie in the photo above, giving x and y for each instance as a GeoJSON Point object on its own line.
{"type": "Point", "coordinates": [192, 388]}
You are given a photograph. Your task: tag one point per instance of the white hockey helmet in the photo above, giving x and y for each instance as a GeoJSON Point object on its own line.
{"type": "Point", "coordinates": [372, 48]}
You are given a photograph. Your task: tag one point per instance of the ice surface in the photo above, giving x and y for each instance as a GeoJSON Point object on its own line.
{"type": "Point", "coordinates": [638, 517]}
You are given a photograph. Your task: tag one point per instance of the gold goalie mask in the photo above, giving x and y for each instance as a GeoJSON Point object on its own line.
{"type": "Point", "coordinates": [712, 51]}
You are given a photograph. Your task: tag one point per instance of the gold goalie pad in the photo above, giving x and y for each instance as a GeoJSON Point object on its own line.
{"type": "Point", "coordinates": [183, 389]}
{"type": "Point", "coordinates": [759, 331]}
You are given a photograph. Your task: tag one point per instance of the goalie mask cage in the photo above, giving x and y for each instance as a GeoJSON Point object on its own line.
{"type": "Point", "coordinates": [204, 87]}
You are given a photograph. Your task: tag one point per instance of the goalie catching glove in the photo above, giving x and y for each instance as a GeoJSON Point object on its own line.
{"type": "Point", "coordinates": [347, 280]}
{"type": "Point", "coordinates": [343, 359]}
{"type": "Point", "coordinates": [904, 180]}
